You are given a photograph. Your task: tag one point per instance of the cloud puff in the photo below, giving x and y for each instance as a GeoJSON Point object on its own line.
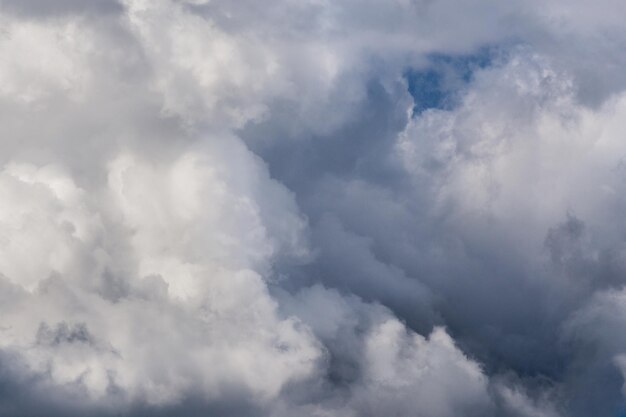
{"type": "Point", "coordinates": [117, 293]}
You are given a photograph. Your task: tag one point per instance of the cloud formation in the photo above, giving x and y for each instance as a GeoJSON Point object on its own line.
{"type": "Point", "coordinates": [314, 208]}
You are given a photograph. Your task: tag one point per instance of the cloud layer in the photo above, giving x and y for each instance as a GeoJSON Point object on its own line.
{"type": "Point", "coordinates": [312, 208]}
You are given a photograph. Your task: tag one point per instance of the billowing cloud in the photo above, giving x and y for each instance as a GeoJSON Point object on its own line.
{"type": "Point", "coordinates": [312, 208]}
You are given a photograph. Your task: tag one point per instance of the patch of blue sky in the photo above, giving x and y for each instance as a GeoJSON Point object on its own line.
{"type": "Point", "coordinates": [436, 85]}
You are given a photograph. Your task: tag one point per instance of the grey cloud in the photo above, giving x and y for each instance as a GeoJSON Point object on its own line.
{"type": "Point", "coordinates": [63, 333]}
{"type": "Point", "coordinates": [43, 9]}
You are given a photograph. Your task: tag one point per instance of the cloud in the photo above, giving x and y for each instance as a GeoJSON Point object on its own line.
{"type": "Point", "coordinates": [112, 305]}
{"type": "Point", "coordinates": [46, 9]}
{"type": "Point", "coordinates": [311, 208]}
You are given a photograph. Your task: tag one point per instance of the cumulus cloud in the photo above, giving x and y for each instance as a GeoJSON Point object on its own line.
{"type": "Point", "coordinates": [115, 294]}
{"type": "Point", "coordinates": [313, 208]}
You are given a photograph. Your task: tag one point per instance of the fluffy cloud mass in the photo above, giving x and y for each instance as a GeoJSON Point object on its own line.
{"type": "Point", "coordinates": [312, 208]}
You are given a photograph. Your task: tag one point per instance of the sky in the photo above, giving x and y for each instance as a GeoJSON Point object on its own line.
{"type": "Point", "coordinates": [312, 208]}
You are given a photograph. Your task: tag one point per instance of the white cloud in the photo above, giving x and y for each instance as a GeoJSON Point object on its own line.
{"type": "Point", "coordinates": [177, 178]}
{"type": "Point", "coordinates": [185, 320]}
